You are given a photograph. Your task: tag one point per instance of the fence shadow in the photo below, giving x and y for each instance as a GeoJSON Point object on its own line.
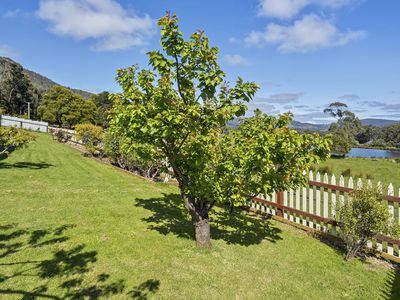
{"type": "Point", "coordinates": [391, 290]}
{"type": "Point", "coordinates": [25, 165]}
{"type": "Point", "coordinates": [170, 216]}
{"type": "Point", "coordinates": [71, 266]}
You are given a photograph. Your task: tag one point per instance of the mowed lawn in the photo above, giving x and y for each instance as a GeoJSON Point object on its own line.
{"type": "Point", "coordinates": [74, 228]}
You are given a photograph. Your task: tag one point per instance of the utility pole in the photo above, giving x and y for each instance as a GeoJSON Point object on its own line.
{"type": "Point", "coordinates": [29, 110]}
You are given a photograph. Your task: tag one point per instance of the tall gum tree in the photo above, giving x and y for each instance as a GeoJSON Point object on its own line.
{"type": "Point", "coordinates": [179, 109]}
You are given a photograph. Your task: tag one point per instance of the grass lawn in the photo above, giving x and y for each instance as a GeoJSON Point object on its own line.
{"type": "Point", "coordinates": [377, 169]}
{"type": "Point", "coordinates": [73, 228]}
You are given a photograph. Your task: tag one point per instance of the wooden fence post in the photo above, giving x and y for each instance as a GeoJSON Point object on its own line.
{"type": "Point", "coordinates": [280, 203]}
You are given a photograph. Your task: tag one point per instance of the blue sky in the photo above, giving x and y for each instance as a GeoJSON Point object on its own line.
{"type": "Point", "coordinates": [303, 53]}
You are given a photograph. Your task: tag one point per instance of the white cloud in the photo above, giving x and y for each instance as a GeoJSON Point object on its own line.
{"type": "Point", "coordinates": [284, 98]}
{"type": "Point", "coordinates": [308, 34]}
{"type": "Point", "coordinates": [262, 105]}
{"type": "Point", "coordinates": [234, 40]}
{"type": "Point", "coordinates": [106, 21]}
{"type": "Point", "coordinates": [235, 59]}
{"type": "Point", "coordinates": [7, 51]}
{"type": "Point", "coordinates": [314, 117]}
{"type": "Point", "coordinates": [287, 9]}
{"type": "Point", "coordinates": [350, 97]}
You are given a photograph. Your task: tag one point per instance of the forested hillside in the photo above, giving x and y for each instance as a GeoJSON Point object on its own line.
{"type": "Point", "coordinates": [40, 82]}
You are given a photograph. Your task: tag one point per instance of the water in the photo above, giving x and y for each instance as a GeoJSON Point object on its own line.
{"type": "Point", "coordinates": [364, 152]}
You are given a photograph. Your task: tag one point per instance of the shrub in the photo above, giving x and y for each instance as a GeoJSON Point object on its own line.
{"type": "Point", "coordinates": [325, 169]}
{"type": "Point", "coordinates": [61, 135]}
{"type": "Point", "coordinates": [359, 175]}
{"type": "Point", "coordinates": [313, 168]}
{"type": "Point", "coordinates": [12, 138]}
{"type": "Point", "coordinates": [347, 172]}
{"type": "Point", "coordinates": [91, 137]}
{"type": "Point", "coordinates": [129, 159]}
{"type": "Point", "coordinates": [363, 216]}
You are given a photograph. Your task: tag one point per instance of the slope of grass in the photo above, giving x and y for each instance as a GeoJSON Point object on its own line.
{"type": "Point", "coordinates": [73, 228]}
{"type": "Point", "coordinates": [377, 169]}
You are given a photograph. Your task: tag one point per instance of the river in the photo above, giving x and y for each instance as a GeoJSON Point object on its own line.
{"type": "Point", "coordinates": [365, 152]}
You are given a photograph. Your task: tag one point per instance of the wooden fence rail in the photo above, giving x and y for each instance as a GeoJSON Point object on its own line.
{"type": "Point", "coordinates": [315, 206]}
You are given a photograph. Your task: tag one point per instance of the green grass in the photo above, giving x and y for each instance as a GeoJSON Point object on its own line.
{"type": "Point", "coordinates": [71, 227]}
{"type": "Point", "coordinates": [385, 170]}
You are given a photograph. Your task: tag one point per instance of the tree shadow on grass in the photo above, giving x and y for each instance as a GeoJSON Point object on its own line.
{"type": "Point", "coordinates": [391, 291]}
{"type": "Point", "coordinates": [142, 291]}
{"type": "Point", "coordinates": [25, 165]}
{"type": "Point", "coordinates": [170, 216]}
{"type": "Point", "coordinates": [70, 267]}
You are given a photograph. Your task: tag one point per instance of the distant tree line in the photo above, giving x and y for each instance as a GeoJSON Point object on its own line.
{"type": "Point", "coordinates": [59, 106]}
{"type": "Point", "coordinates": [16, 91]}
{"type": "Point", "coordinates": [348, 132]}
{"type": "Point", "coordinates": [388, 136]}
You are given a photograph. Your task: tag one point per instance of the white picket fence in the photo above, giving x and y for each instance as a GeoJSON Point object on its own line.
{"type": "Point", "coordinates": [315, 206]}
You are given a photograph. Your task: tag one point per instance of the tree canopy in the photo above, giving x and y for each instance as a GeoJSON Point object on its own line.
{"type": "Point", "coordinates": [62, 107]}
{"type": "Point", "coordinates": [16, 91]}
{"type": "Point", "coordinates": [345, 130]}
{"type": "Point", "coordinates": [104, 105]}
{"type": "Point", "coordinates": [179, 110]}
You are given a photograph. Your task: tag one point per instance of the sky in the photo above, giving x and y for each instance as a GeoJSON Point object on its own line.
{"type": "Point", "coordinates": [304, 54]}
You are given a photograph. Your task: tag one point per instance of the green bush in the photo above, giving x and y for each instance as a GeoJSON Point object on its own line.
{"type": "Point", "coordinates": [129, 158]}
{"type": "Point", "coordinates": [359, 175]}
{"type": "Point", "coordinates": [363, 216]}
{"type": "Point", "coordinates": [313, 168]}
{"type": "Point", "coordinates": [60, 135]}
{"type": "Point", "coordinates": [91, 137]}
{"type": "Point", "coordinates": [347, 172]}
{"type": "Point", "coordinates": [12, 138]}
{"type": "Point", "coordinates": [326, 169]}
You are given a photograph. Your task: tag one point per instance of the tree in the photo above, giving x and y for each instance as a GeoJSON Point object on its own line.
{"type": "Point", "coordinates": [368, 133]}
{"type": "Point", "coordinates": [16, 91]}
{"type": "Point", "coordinates": [104, 105]}
{"type": "Point", "coordinates": [91, 137]}
{"type": "Point", "coordinates": [346, 128]}
{"type": "Point", "coordinates": [391, 135]}
{"type": "Point", "coordinates": [263, 155]}
{"type": "Point", "coordinates": [12, 138]}
{"type": "Point", "coordinates": [338, 110]}
{"type": "Point", "coordinates": [180, 108]}
{"type": "Point", "coordinates": [62, 107]}
{"type": "Point", "coordinates": [363, 216]}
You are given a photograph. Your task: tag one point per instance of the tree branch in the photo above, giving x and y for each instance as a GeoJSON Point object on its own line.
{"type": "Point", "coordinates": [178, 79]}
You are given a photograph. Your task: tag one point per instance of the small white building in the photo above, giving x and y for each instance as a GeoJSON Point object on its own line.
{"type": "Point", "coordinates": [24, 123]}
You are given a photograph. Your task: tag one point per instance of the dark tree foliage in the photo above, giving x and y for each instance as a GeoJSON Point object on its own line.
{"type": "Point", "coordinates": [345, 130]}
{"type": "Point", "coordinates": [16, 91]}
{"type": "Point", "coordinates": [104, 105]}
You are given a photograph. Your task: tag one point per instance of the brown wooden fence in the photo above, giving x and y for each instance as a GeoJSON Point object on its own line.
{"type": "Point", "coordinates": [315, 206]}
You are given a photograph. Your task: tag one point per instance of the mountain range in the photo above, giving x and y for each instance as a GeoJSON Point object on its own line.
{"type": "Point", "coordinates": [325, 127]}
{"type": "Point", "coordinates": [42, 83]}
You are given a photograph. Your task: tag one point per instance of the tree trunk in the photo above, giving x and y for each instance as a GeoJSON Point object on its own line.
{"type": "Point", "coordinates": [352, 252]}
{"type": "Point", "coordinates": [203, 239]}
{"type": "Point", "coordinates": [199, 212]}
